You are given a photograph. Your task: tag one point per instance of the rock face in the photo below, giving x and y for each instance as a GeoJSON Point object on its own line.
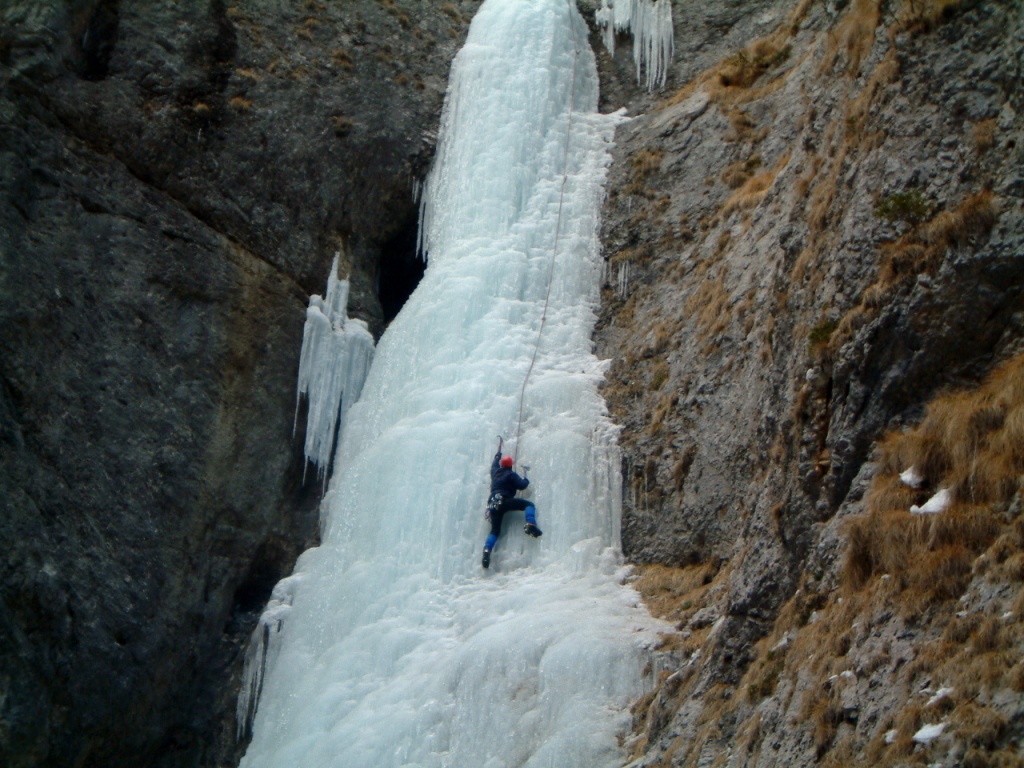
{"type": "Point", "coordinates": [807, 241]}
{"type": "Point", "coordinates": [811, 232]}
{"type": "Point", "coordinates": [175, 179]}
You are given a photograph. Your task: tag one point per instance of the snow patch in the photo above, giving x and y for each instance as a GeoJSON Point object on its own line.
{"type": "Point", "coordinates": [942, 693]}
{"type": "Point", "coordinates": [929, 733]}
{"type": "Point", "coordinates": [912, 477]}
{"type": "Point", "coordinates": [936, 504]}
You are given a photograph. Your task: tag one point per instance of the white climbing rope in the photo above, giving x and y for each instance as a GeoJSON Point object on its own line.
{"type": "Point", "coordinates": [558, 228]}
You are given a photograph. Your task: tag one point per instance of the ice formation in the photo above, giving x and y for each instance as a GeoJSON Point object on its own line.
{"type": "Point", "coordinates": [936, 504]}
{"type": "Point", "coordinates": [396, 648]}
{"type": "Point", "coordinates": [650, 22]}
{"type": "Point", "coordinates": [622, 280]}
{"type": "Point", "coordinates": [278, 607]}
{"type": "Point", "coordinates": [336, 355]}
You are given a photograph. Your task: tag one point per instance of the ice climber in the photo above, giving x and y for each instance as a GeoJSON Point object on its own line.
{"type": "Point", "coordinates": [504, 484]}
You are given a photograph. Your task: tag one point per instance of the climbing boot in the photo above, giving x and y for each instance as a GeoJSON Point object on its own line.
{"type": "Point", "coordinates": [532, 530]}
{"type": "Point", "coordinates": [487, 558]}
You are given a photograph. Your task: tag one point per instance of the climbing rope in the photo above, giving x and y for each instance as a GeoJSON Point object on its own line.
{"type": "Point", "coordinates": [558, 226]}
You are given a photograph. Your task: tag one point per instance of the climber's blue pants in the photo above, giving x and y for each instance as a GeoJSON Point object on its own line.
{"type": "Point", "coordinates": [497, 511]}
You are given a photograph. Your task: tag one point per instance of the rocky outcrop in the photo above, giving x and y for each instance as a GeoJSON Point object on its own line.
{"type": "Point", "coordinates": [813, 235]}
{"type": "Point", "coordinates": [175, 179]}
{"type": "Point", "coordinates": [812, 232]}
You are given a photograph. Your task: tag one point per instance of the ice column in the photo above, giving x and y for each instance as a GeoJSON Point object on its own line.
{"type": "Point", "coordinates": [336, 355]}
{"type": "Point", "coordinates": [650, 22]}
{"type": "Point", "coordinates": [390, 647]}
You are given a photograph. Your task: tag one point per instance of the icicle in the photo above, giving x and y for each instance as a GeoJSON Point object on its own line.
{"type": "Point", "coordinates": [335, 358]}
{"type": "Point", "coordinates": [622, 282]}
{"type": "Point", "coordinates": [279, 605]}
{"type": "Point", "coordinates": [650, 22]}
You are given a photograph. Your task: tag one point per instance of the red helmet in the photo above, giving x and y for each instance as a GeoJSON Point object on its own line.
{"type": "Point", "coordinates": [506, 461]}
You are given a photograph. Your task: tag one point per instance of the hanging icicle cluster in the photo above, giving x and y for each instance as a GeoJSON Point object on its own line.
{"type": "Point", "coordinates": [650, 22]}
{"type": "Point", "coordinates": [336, 355]}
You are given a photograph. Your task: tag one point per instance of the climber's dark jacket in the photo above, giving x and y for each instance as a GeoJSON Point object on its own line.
{"type": "Point", "coordinates": [504, 480]}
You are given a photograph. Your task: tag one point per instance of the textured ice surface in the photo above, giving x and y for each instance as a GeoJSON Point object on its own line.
{"type": "Point", "coordinates": [397, 648]}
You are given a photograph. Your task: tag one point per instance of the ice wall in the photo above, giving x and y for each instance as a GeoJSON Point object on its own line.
{"type": "Point", "coordinates": [390, 646]}
{"type": "Point", "coordinates": [650, 22]}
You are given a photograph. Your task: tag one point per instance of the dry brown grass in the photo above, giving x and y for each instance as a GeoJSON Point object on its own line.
{"type": "Point", "coordinates": [670, 593]}
{"type": "Point", "coordinates": [971, 443]}
{"type": "Point", "coordinates": [926, 15]}
{"type": "Point", "coordinates": [659, 374]}
{"type": "Point", "coordinates": [928, 563]}
{"type": "Point", "coordinates": [675, 594]}
{"type": "Point", "coordinates": [709, 306]}
{"type": "Point", "coordinates": [755, 189]}
{"type": "Point", "coordinates": [762, 676]}
{"type": "Point", "coordinates": [853, 37]}
{"type": "Point", "coordinates": [819, 203]}
{"type": "Point", "coordinates": [743, 68]}
{"type": "Point", "coordinates": [743, 127]}
{"type": "Point", "coordinates": [635, 254]}
{"type": "Point", "coordinates": [984, 135]}
{"type": "Point", "coordinates": [646, 162]}
{"type": "Point", "coordinates": [859, 110]}
{"type": "Point", "coordinates": [957, 228]}
{"type": "Point", "coordinates": [738, 173]}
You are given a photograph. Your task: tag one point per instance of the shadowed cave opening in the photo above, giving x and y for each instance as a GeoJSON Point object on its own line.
{"type": "Point", "coordinates": [400, 268]}
{"type": "Point", "coordinates": [98, 40]}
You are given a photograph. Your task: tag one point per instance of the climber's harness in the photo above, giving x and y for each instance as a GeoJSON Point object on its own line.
{"type": "Point", "coordinates": [495, 503]}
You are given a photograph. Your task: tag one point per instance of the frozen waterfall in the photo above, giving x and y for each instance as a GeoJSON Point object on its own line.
{"type": "Point", "coordinates": [390, 646]}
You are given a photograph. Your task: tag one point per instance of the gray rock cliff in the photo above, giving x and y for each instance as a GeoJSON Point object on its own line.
{"type": "Point", "coordinates": [814, 237]}
{"type": "Point", "coordinates": [813, 232]}
{"type": "Point", "coordinates": [174, 181]}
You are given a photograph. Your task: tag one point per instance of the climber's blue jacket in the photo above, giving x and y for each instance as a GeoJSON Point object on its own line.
{"type": "Point", "coordinates": [504, 480]}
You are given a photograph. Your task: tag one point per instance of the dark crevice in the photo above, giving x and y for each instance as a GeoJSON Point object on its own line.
{"type": "Point", "coordinates": [224, 46]}
{"type": "Point", "coordinates": [273, 559]}
{"type": "Point", "coordinates": [99, 40]}
{"type": "Point", "coordinates": [401, 269]}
